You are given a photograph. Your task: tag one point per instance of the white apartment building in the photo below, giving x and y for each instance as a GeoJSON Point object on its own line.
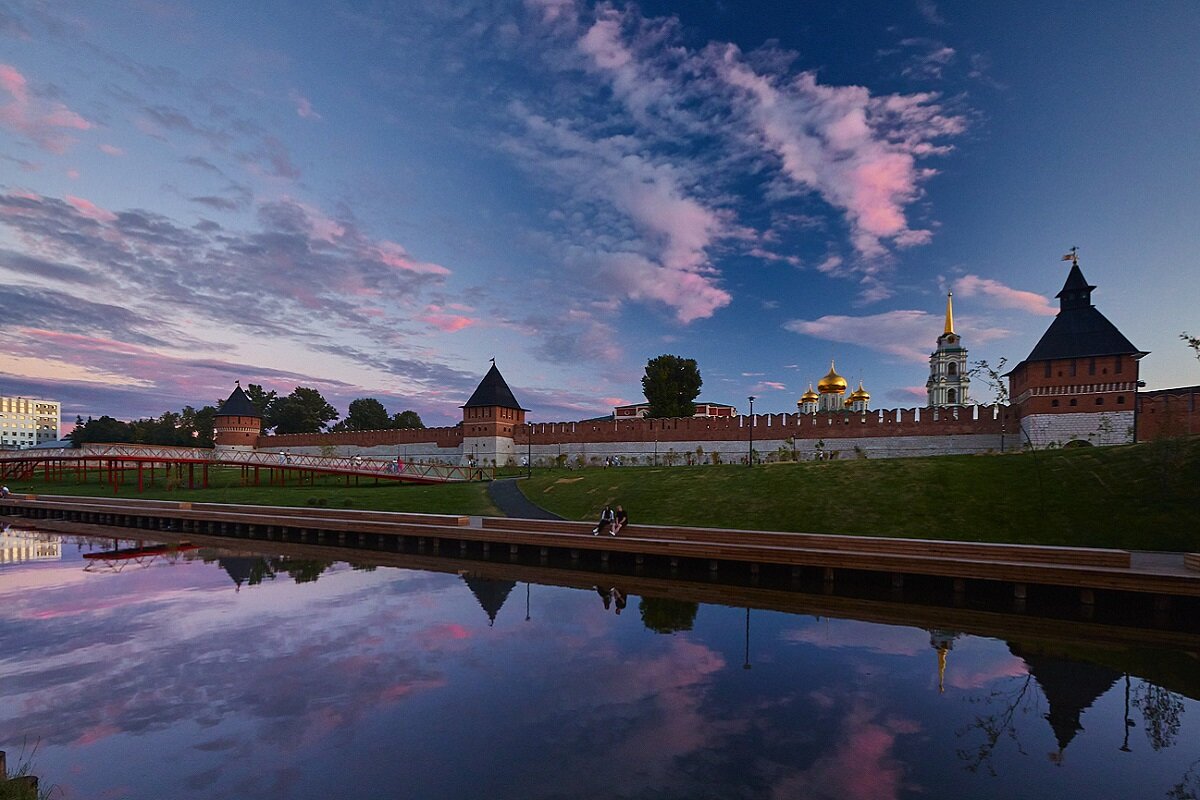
{"type": "Point", "coordinates": [25, 422]}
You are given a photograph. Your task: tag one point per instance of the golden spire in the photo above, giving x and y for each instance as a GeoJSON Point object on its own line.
{"type": "Point", "coordinates": [949, 314]}
{"type": "Point", "coordinates": [941, 651]}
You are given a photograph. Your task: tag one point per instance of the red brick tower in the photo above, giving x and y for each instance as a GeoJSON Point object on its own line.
{"type": "Point", "coordinates": [490, 418]}
{"type": "Point", "coordinates": [1079, 384]}
{"type": "Point", "coordinates": [237, 424]}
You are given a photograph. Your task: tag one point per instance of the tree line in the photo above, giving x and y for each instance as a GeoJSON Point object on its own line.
{"type": "Point", "coordinates": [305, 410]}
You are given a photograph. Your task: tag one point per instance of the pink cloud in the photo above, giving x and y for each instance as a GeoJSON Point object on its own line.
{"type": "Point", "coordinates": [910, 335]}
{"type": "Point", "coordinates": [111, 149]}
{"type": "Point", "coordinates": [303, 106]}
{"type": "Point", "coordinates": [42, 122]}
{"type": "Point", "coordinates": [396, 256]}
{"type": "Point", "coordinates": [667, 260]}
{"type": "Point", "coordinates": [90, 210]}
{"type": "Point", "coordinates": [1004, 296]}
{"type": "Point", "coordinates": [858, 152]}
{"type": "Point", "coordinates": [447, 323]}
{"type": "Point", "coordinates": [862, 764]}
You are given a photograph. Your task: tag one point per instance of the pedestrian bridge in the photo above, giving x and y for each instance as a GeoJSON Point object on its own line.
{"type": "Point", "coordinates": [189, 466]}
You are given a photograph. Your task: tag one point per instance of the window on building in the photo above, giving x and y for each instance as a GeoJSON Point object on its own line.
{"type": "Point", "coordinates": [952, 368]}
{"type": "Point", "coordinates": [952, 396]}
{"type": "Point", "coordinates": [1120, 399]}
{"type": "Point", "coordinates": [1054, 403]}
{"type": "Point", "coordinates": [1118, 365]}
{"type": "Point", "coordinates": [1073, 365]}
{"type": "Point", "coordinates": [1048, 369]}
{"type": "Point", "coordinates": [1074, 402]}
{"type": "Point", "coordinates": [1091, 366]}
{"type": "Point", "coordinates": [1099, 401]}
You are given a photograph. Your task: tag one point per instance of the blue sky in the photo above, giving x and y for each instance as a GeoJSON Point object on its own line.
{"type": "Point", "coordinates": [375, 198]}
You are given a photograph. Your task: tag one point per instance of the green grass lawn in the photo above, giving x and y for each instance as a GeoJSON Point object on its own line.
{"type": "Point", "coordinates": [1140, 496]}
{"type": "Point", "coordinates": [1144, 497]}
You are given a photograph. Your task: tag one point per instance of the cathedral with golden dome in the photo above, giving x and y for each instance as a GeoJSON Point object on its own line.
{"type": "Point", "coordinates": [831, 395]}
{"type": "Point", "coordinates": [946, 387]}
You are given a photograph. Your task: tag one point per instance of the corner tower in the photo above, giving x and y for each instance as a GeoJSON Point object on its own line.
{"type": "Point", "coordinates": [1079, 384]}
{"type": "Point", "coordinates": [948, 383]}
{"type": "Point", "coordinates": [237, 423]}
{"type": "Point", "coordinates": [489, 420]}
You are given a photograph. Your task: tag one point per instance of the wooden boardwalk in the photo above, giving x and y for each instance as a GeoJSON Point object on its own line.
{"type": "Point", "coordinates": [1086, 569]}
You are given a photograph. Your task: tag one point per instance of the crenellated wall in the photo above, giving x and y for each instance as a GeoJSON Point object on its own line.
{"type": "Point", "coordinates": [886, 433]}
{"type": "Point", "coordinates": [837, 425]}
{"type": "Point", "coordinates": [1168, 413]}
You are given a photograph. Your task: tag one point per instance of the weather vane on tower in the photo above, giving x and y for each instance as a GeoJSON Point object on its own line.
{"type": "Point", "coordinates": [1072, 256]}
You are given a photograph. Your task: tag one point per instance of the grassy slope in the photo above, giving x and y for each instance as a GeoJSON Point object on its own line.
{"type": "Point", "coordinates": [1142, 496]}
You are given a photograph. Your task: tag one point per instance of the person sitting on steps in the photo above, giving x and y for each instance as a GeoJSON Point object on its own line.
{"type": "Point", "coordinates": [620, 519]}
{"type": "Point", "coordinates": [606, 521]}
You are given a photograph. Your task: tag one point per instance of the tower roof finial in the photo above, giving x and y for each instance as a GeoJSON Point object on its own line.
{"type": "Point", "coordinates": [949, 313]}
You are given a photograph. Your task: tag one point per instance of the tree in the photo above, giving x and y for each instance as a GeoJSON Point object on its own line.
{"type": "Point", "coordinates": [671, 384]}
{"type": "Point", "coordinates": [1192, 342]}
{"type": "Point", "coordinates": [993, 377]}
{"type": "Point", "coordinates": [365, 414]}
{"type": "Point", "coordinates": [407, 419]}
{"type": "Point", "coordinates": [260, 399]}
{"type": "Point", "coordinates": [302, 411]}
{"type": "Point", "coordinates": [664, 615]}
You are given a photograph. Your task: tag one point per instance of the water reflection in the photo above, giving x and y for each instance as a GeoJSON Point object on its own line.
{"type": "Point", "coordinates": [223, 672]}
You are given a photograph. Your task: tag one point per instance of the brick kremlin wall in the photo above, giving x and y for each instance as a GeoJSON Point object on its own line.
{"type": "Point", "coordinates": [885, 433]}
{"type": "Point", "coordinates": [1167, 413]}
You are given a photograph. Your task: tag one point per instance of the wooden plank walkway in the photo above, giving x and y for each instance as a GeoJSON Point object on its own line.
{"type": "Point", "coordinates": [1021, 565]}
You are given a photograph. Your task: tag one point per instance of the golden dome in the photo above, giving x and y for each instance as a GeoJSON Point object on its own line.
{"type": "Point", "coordinates": [832, 383]}
{"type": "Point", "coordinates": [860, 393]}
{"type": "Point", "coordinates": [810, 396]}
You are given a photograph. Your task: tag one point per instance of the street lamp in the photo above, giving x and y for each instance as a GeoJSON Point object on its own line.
{"type": "Point", "coordinates": [750, 461]}
{"type": "Point", "coordinates": [529, 453]}
{"type": "Point", "coordinates": [746, 664]}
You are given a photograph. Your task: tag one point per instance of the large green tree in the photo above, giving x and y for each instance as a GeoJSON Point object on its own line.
{"type": "Point", "coordinates": [261, 399]}
{"type": "Point", "coordinates": [671, 384]}
{"type": "Point", "coordinates": [665, 615]}
{"type": "Point", "coordinates": [365, 414]}
{"type": "Point", "coordinates": [302, 411]}
{"type": "Point", "coordinates": [407, 419]}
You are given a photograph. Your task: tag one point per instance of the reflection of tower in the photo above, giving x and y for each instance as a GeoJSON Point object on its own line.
{"type": "Point", "coordinates": [245, 569]}
{"type": "Point", "coordinates": [943, 642]}
{"type": "Point", "coordinates": [490, 593]}
{"type": "Point", "coordinates": [1070, 688]}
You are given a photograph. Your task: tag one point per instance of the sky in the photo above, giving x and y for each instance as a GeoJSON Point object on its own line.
{"type": "Point", "coordinates": [376, 198]}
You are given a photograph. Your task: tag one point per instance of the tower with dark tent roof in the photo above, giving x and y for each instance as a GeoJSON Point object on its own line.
{"type": "Point", "coordinates": [490, 420]}
{"type": "Point", "coordinates": [1079, 383]}
{"type": "Point", "coordinates": [237, 423]}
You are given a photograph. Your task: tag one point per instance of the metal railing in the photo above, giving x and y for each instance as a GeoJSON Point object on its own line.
{"type": "Point", "coordinates": [17, 462]}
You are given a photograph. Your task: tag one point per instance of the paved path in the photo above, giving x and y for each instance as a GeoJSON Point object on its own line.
{"type": "Point", "coordinates": [508, 498]}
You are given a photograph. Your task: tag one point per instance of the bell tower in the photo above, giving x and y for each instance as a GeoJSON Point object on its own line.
{"type": "Point", "coordinates": [948, 383]}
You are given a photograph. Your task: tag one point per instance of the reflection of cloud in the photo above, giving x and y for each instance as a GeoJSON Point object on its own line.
{"type": "Point", "coordinates": [861, 764]}
{"type": "Point", "coordinates": [870, 636]}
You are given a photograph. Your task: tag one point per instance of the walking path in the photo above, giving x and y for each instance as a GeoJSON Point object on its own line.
{"type": "Point", "coordinates": [508, 498]}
